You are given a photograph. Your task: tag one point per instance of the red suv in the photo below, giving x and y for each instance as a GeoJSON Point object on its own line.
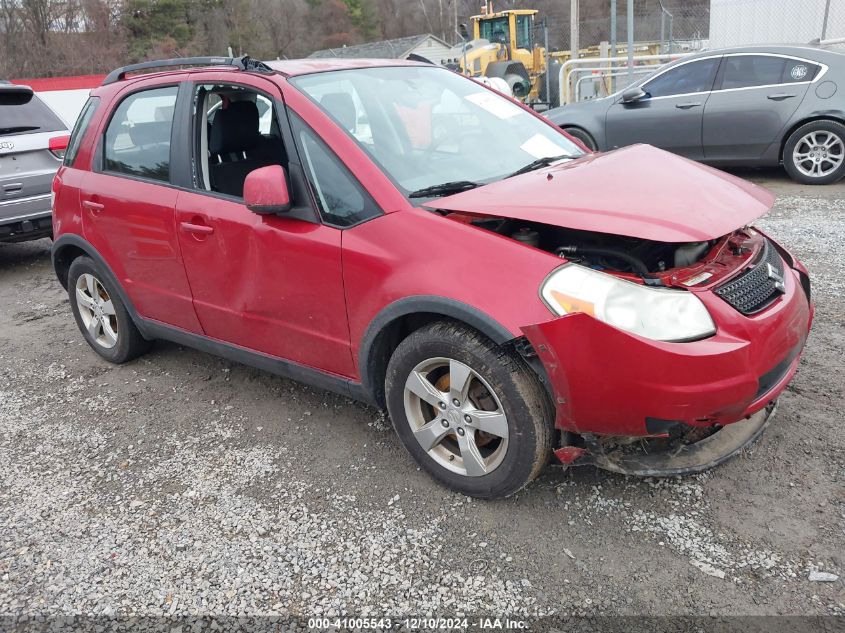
{"type": "Point", "coordinates": [403, 235]}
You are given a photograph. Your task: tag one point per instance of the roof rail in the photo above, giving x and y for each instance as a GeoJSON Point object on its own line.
{"type": "Point", "coordinates": [241, 63]}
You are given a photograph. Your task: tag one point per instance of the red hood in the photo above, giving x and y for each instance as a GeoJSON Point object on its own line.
{"type": "Point", "coordinates": [638, 191]}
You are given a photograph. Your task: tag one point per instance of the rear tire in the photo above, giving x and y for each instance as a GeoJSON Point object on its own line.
{"type": "Point", "coordinates": [483, 426]}
{"type": "Point", "coordinates": [553, 96]}
{"type": "Point", "coordinates": [100, 314]}
{"type": "Point", "coordinates": [583, 136]}
{"type": "Point", "coordinates": [814, 154]}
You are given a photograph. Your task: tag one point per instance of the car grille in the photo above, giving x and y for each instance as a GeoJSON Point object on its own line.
{"type": "Point", "coordinates": [759, 286]}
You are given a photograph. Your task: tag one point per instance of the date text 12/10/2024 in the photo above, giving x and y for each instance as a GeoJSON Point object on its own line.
{"type": "Point", "coordinates": [418, 624]}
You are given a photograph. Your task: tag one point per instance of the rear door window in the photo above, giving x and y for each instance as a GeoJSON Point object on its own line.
{"type": "Point", "coordinates": [697, 76]}
{"type": "Point", "coordinates": [137, 140]}
{"type": "Point", "coordinates": [28, 118]}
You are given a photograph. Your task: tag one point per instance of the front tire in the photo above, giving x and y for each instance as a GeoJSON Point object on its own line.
{"type": "Point", "coordinates": [583, 136]}
{"type": "Point", "coordinates": [100, 314]}
{"type": "Point", "coordinates": [471, 414]}
{"type": "Point", "coordinates": [814, 154]}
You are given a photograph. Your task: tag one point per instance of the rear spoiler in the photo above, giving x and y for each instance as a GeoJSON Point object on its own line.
{"type": "Point", "coordinates": [13, 94]}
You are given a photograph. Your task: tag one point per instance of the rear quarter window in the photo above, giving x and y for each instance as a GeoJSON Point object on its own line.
{"type": "Point", "coordinates": [798, 70]}
{"type": "Point", "coordinates": [28, 118]}
{"type": "Point", "coordinates": [78, 133]}
{"type": "Point", "coordinates": [748, 71]}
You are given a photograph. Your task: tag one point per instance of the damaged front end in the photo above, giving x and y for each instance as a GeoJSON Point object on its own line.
{"type": "Point", "coordinates": [682, 450]}
{"type": "Point", "coordinates": [675, 324]}
{"type": "Point", "coordinates": [668, 395]}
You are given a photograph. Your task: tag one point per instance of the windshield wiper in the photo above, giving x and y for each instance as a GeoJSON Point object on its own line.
{"type": "Point", "coordinates": [19, 128]}
{"type": "Point", "coordinates": [536, 164]}
{"type": "Point", "coordinates": [444, 189]}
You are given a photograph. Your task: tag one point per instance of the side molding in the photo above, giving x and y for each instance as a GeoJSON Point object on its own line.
{"type": "Point", "coordinates": [272, 364]}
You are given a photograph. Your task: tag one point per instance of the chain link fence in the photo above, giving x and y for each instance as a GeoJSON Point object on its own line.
{"type": "Point", "coordinates": [672, 26]}
{"type": "Point", "coordinates": [677, 26]}
{"type": "Point", "coordinates": [665, 29]}
{"type": "Point", "coordinates": [743, 22]}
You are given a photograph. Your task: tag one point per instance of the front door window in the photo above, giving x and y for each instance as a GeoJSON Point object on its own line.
{"type": "Point", "coordinates": [688, 78]}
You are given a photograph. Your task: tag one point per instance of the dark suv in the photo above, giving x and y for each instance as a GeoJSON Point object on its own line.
{"type": "Point", "coordinates": [32, 143]}
{"type": "Point", "coordinates": [403, 235]}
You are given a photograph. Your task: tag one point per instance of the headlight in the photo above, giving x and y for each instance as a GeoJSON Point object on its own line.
{"type": "Point", "coordinates": [660, 314]}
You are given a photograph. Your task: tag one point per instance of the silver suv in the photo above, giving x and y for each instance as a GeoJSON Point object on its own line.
{"type": "Point", "coordinates": [32, 144]}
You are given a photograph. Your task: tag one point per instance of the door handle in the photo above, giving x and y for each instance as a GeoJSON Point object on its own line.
{"type": "Point", "coordinates": [687, 106]}
{"type": "Point", "coordinates": [196, 229]}
{"type": "Point", "coordinates": [780, 96]}
{"type": "Point", "coordinates": [93, 207]}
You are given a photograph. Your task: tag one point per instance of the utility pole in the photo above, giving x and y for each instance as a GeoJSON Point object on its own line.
{"type": "Point", "coordinates": [456, 15]}
{"type": "Point", "coordinates": [442, 30]}
{"type": "Point", "coordinates": [631, 41]}
{"type": "Point", "coordinates": [548, 66]}
{"type": "Point", "coordinates": [826, 16]}
{"type": "Point", "coordinates": [574, 44]}
{"type": "Point", "coordinates": [612, 43]}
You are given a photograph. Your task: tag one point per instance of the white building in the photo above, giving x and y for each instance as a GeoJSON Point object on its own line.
{"type": "Point", "coordinates": [742, 22]}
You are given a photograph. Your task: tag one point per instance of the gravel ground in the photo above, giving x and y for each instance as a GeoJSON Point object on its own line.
{"type": "Point", "coordinates": [183, 484]}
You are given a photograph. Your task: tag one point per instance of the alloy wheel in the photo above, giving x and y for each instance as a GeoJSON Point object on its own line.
{"type": "Point", "coordinates": [97, 310]}
{"type": "Point", "coordinates": [818, 154]}
{"type": "Point", "coordinates": [456, 416]}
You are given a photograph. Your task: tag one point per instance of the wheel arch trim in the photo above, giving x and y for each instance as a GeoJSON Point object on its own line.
{"type": "Point", "coordinates": [421, 304]}
{"type": "Point", "coordinates": [71, 241]}
{"type": "Point", "coordinates": [835, 117]}
{"type": "Point", "coordinates": [583, 130]}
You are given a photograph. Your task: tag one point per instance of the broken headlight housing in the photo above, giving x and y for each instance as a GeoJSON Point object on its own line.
{"type": "Point", "coordinates": [660, 314]}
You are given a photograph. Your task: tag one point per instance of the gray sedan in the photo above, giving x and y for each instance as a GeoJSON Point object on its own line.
{"type": "Point", "coordinates": [741, 106]}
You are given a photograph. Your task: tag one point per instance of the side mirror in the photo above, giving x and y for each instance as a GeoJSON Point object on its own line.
{"type": "Point", "coordinates": [632, 95]}
{"type": "Point", "coordinates": [463, 32]}
{"type": "Point", "coordinates": [266, 190]}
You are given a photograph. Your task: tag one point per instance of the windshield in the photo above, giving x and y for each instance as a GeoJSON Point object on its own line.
{"type": "Point", "coordinates": [494, 30]}
{"type": "Point", "coordinates": [425, 126]}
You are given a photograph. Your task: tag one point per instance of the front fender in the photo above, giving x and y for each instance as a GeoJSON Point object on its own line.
{"type": "Point", "coordinates": [589, 116]}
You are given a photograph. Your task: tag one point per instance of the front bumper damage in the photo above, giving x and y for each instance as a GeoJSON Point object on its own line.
{"type": "Point", "coordinates": [686, 459]}
{"type": "Point", "coordinates": [608, 384]}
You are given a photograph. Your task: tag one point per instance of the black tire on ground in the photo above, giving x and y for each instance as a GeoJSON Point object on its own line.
{"type": "Point", "coordinates": [130, 344]}
{"type": "Point", "coordinates": [526, 404]}
{"type": "Point", "coordinates": [826, 128]}
{"type": "Point", "coordinates": [583, 136]}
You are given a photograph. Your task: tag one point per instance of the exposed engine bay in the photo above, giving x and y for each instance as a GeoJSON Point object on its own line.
{"type": "Point", "coordinates": [642, 258]}
{"type": "Point", "coordinates": [601, 251]}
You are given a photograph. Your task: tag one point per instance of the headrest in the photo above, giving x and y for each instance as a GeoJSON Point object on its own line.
{"type": "Point", "coordinates": [342, 108]}
{"type": "Point", "coordinates": [150, 133]}
{"type": "Point", "coordinates": [235, 128]}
